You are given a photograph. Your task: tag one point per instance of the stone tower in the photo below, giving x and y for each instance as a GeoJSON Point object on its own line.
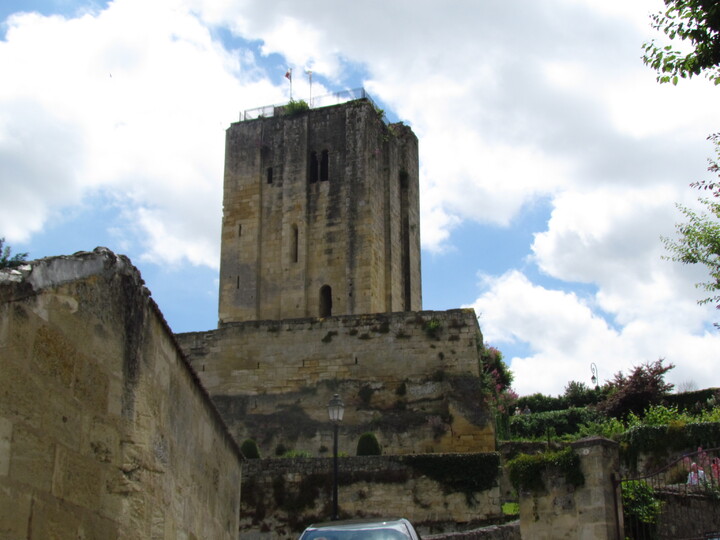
{"type": "Point", "coordinates": [320, 216]}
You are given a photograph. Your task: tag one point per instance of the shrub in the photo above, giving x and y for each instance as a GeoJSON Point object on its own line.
{"type": "Point", "coordinates": [493, 365]}
{"type": "Point", "coordinates": [432, 328]}
{"type": "Point", "coordinates": [659, 415]}
{"type": "Point", "coordinates": [368, 445]}
{"type": "Point", "coordinates": [611, 428]}
{"type": "Point", "coordinates": [541, 403]}
{"type": "Point", "coordinates": [674, 436]}
{"type": "Point", "coordinates": [6, 261]}
{"type": "Point", "coordinates": [526, 471]}
{"type": "Point", "coordinates": [280, 449]}
{"type": "Point", "coordinates": [468, 474]}
{"type": "Point", "coordinates": [249, 448]}
{"type": "Point", "coordinates": [536, 426]}
{"type": "Point", "coordinates": [296, 454]}
{"type": "Point", "coordinates": [641, 509]}
{"type": "Point", "coordinates": [696, 401]}
{"type": "Point", "coordinates": [295, 107]}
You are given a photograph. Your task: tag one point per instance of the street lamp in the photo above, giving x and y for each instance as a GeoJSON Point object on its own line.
{"type": "Point", "coordinates": [336, 409]}
{"type": "Point", "coordinates": [594, 378]}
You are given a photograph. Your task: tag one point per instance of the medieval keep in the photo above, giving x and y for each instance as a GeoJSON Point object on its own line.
{"type": "Point", "coordinates": [320, 216]}
{"type": "Point", "coordinates": [320, 293]}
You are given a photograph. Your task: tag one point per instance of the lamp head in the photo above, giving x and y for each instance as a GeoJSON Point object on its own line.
{"type": "Point", "coordinates": [336, 409]}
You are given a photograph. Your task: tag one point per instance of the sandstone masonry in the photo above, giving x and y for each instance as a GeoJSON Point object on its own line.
{"type": "Point", "coordinates": [320, 216]}
{"type": "Point", "coordinates": [105, 432]}
{"type": "Point", "coordinates": [411, 377]}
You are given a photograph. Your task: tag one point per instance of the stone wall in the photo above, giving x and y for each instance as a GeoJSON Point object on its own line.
{"type": "Point", "coordinates": [507, 531]}
{"type": "Point", "coordinates": [688, 515]}
{"type": "Point", "coordinates": [411, 378]}
{"type": "Point", "coordinates": [564, 511]}
{"type": "Point", "coordinates": [105, 431]}
{"type": "Point", "coordinates": [439, 492]}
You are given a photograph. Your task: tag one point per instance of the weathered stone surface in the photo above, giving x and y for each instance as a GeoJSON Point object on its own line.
{"type": "Point", "coordinates": [410, 377]}
{"type": "Point", "coordinates": [586, 511]}
{"type": "Point", "coordinates": [105, 431]}
{"type": "Point", "coordinates": [282, 496]}
{"type": "Point", "coordinates": [325, 198]}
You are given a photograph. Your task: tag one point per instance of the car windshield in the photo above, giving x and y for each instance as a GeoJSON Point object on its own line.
{"type": "Point", "coordinates": [388, 532]}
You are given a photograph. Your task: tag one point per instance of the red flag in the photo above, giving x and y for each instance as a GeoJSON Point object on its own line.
{"type": "Point", "coordinates": [288, 74]}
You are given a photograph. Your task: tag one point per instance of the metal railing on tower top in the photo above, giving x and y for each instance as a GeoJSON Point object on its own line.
{"type": "Point", "coordinates": [319, 101]}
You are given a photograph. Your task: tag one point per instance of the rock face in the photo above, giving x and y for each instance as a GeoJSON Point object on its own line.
{"type": "Point", "coordinates": [105, 432]}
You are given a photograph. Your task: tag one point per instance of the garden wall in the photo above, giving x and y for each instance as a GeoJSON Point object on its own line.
{"type": "Point", "coordinates": [566, 511]}
{"type": "Point", "coordinates": [687, 515]}
{"type": "Point", "coordinates": [439, 492]}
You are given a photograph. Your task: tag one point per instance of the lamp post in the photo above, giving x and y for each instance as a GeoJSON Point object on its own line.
{"type": "Point", "coordinates": [594, 378]}
{"type": "Point", "coordinates": [336, 409]}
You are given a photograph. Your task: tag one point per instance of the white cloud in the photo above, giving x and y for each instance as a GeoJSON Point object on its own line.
{"type": "Point", "coordinates": [565, 335]}
{"type": "Point", "coordinates": [131, 101]}
{"type": "Point", "coordinates": [510, 105]}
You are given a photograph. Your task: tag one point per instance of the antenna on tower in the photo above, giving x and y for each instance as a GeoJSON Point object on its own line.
{"type": "Point", "coordinates": [309, 74]}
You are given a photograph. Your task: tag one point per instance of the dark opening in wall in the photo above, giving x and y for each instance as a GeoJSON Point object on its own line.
{"type": "Point", "coordinates": [324, 166]}
{"type": "Point", "coordinates": [269, 175]}
{"type": "Point", "coordinates": [313, 168]}
{"type": "Point", "coordinates": [239, 229]}
{"type": "Point", "coordinates": [294, 243]}
{"type": "Point", "coordinates": [325, 301]}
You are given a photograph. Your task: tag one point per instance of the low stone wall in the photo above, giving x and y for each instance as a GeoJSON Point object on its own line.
{"type": "Point", "coordinates": [440, 492]}
{"type": "Point", "coordinates": [105, 431]}
{"type": "Point", "coordinates": [411, 378]}
{"type": "Point", "coordinates": [566, 511]}
{"type": "Point", "coordinates": [508, 531]}
{"type": "Point", "coordinates": [686, 515]}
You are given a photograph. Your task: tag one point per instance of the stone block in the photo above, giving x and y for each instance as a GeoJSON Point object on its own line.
{"type": "Point", "coordinates": [5, 442]}
{"type": "Point", "coordinates": [78, 479]}
{"type": "Point", "coordinates": [54, 355]}
{"type": "Point", "coordinates": [32, 458]}
{"type": "Point", "coordinates": [53, 519]}
{"type": "Point", "coordinates": [15, 505]}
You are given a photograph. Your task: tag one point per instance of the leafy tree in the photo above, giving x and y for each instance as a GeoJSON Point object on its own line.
{"type": "Point", "coordinates": [6, 261]}
{"type": "Point", "coordinates": [644, 387]}
{"type": "Point", "coordinates": [578, 394]}
{"type": "Point", "coordinates": [694, 22]}
{"type": "Point", "coordinates": [699, 236]}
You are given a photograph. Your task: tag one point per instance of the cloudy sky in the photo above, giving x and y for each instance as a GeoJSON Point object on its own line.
{"type": "Point", "coordinates": [551, 160]}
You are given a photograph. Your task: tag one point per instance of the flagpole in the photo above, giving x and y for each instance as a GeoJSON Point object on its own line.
{"type": "Point", "coordinates": [288, 76]}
